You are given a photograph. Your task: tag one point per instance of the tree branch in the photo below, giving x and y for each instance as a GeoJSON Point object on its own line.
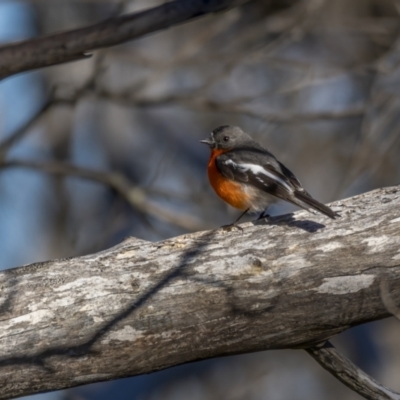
{"type": "Point", "coordinates": [344, 370]}
{"type": "Point", "coordinates": [75, 44]}
{"type": "Point", "coordinates": [135, 196]}
{"type": "Point", "coordinates": [197, 102]}
{"type": "Point", "coordinates": [291, 282]}
{"type": "Point", "coordinates": [19, 133]}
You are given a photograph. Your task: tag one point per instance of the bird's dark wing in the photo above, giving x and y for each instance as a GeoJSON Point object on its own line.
{"type": "Point", "coordinates": [290, 176]}
{"type": "Point", "coordinates": [260, 169]}
{"type": "Point", "coordinates": [256, 169]}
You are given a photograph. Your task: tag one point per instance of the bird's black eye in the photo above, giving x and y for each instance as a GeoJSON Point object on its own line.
{"type": "Point", "coordinates": [226, 139]}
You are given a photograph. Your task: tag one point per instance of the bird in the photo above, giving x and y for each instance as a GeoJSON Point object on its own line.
{"type": "Point", "coordinates": [247, 176]}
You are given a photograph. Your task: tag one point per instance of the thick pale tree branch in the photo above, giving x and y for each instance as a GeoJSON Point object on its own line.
{"type": "Point", "coordinates": [291, 282]}
{"type": "Point", "coordinates": [75, 44]}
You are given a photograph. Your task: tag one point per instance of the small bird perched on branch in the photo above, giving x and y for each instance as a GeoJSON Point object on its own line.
{"type": "Point", "coordinates": [248, 177]}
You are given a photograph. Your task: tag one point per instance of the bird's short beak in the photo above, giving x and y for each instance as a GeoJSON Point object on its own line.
{"type": "Point", "coordinates": [209, 142]}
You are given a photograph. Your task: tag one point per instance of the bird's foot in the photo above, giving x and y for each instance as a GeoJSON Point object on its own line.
{"type": "Point", "coordinates": [234, 224]}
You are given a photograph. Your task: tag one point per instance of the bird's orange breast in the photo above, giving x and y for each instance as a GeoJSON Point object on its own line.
{"type": "Point", "coordinates": [229, 191]}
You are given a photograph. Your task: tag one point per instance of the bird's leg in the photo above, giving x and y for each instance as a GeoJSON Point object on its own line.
{"type": "Point", "coordinates": [263, 215]}
{"type": "Point", "coordinates": [234, 224]}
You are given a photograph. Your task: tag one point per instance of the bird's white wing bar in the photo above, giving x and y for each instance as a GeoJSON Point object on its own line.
{"type": "Point", "coordinates": [258, 171]}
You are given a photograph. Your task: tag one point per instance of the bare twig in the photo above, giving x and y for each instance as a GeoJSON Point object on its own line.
{"type": "Point", "coordinates": [8, 142]}
{"type": "Point", "coordinates": [343, 369]}
{"type": "Point", "coordinates": [134, 195]}
{"type": "Point", "coordinates": [51, 101]}
{"type": "Point", "coordinates": [238, 106]}
{"type": "Point", "coordinates": [75, 44]}
{"type": "Point", "coordinates": [373, 120]}
{"type": "Point", "coordinates": [19, 134]}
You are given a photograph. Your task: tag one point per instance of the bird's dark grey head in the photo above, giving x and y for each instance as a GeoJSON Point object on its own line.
{"type": "Point", "coordinates": [227, 137]}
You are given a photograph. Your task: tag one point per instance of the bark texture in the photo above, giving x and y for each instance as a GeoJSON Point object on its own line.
{"type": "Point", "coordinates": [291, 282]}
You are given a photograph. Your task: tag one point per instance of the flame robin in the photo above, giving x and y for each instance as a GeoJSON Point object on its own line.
{"type": "Point", "coordinates": [248, 177]}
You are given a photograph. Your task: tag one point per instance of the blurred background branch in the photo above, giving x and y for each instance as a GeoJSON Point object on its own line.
{"type": "Point", "coordinates": [73, 45]}
{"type": "Point", "coordinates": [135, 196]}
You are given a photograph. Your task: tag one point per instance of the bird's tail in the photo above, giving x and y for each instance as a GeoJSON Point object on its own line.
{"type": "Point", "coordinates": [304, 200]}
